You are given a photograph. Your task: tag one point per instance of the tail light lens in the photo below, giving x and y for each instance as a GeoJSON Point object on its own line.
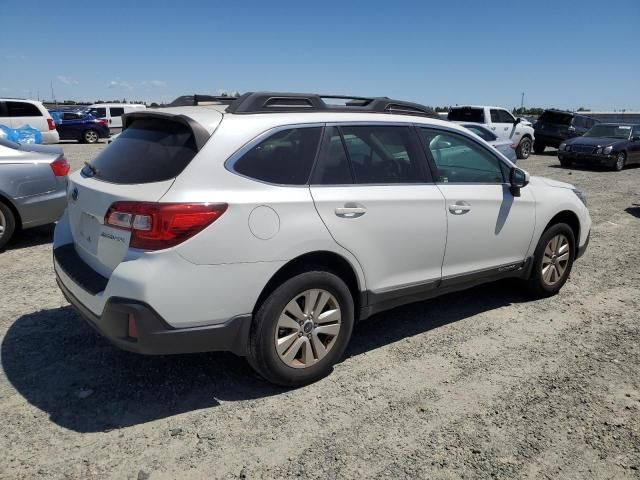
{"type": "Point", "coordinates": [51, 123]}
{"type": "Point", "coordinates": [155, 226]}
{"type": "Point", "coordinates": [102, 122]}
{"type": "Point", "coordinates": [60, 167]}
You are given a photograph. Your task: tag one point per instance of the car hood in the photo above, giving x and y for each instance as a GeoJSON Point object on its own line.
{"type": "Point", "coordinates": [594, 141]}
{"type": "Point", "coordinates": [534, 180]}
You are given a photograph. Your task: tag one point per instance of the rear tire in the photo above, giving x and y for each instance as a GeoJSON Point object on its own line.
{"type": "Point", "coordinates": [552, 261]}
{"type": "Point", "coordinates": [566, 163]}
{"type": "Point", "coordinates": [90, 136]}
{"type": "Point", "coordinates": [539, 147]}
{"type": "Point", "coordinates": [524, 149]}
{"type": "Point", "coordinates": [7, 225]}
{"type": "Point", "coordinates": [621, 161]}
{"type": "Point", "coordinates": [288, 345]}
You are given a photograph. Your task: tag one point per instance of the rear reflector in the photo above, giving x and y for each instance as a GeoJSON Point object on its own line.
{"type": "Point", "coordinates": [155, 226]}
{"type": "Point", "coordinates": [132, 328]}
{"type": "Point", "coordinates": [60, 167]}
{"type": "Point", "coordinates": [51, 123]}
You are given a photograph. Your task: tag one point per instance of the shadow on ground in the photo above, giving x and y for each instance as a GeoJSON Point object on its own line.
{"type": "Point", "coordinates": [52, 358]}
{"type": "Point", "coordinates": [31, 238]}
{"type": "Point", "coordinates": [635, 210]}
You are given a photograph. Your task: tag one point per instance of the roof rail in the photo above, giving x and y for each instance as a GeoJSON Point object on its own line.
{"type": "Point", "coordinates": [199, 99]}
{"type": "Point", "coordinates": [272, 102]}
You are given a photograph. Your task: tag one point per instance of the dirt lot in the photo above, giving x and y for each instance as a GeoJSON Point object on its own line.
{"type": "Point", "coordinates": [478, 384]}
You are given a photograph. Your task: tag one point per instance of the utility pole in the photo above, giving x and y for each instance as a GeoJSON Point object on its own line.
{"type": "Point", "coordinates": [53, 95]}
{"type": "Point", "coordinates": [522, 102]}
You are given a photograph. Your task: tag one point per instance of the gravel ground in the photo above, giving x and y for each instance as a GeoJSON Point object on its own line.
{"type": "Point", "coordinates": [477, 384]}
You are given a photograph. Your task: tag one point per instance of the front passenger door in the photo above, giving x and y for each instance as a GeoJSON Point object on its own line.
{"type": "Point", "coordinates": [488, 228]}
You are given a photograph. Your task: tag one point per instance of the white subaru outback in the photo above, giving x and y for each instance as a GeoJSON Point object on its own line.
{"type": "Point", "coordinates": [267, 227]}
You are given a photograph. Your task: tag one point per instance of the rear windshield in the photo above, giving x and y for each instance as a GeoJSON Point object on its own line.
{"type": "Point", "coordinates": [475, 115]}
{"type": "Point", "coordinates": [556, 118]}
{"type": "Point", "coordinates": [150, 150]}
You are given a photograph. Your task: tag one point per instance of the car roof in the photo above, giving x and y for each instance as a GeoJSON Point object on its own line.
{"type": "Point", "coordinates": [476, 106]}
{"type": "Point", "coordinates": [9, 99]}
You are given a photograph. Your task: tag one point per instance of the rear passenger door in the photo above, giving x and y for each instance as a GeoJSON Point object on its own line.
{"type": "Point", "coordinates": [115, 118]}
{"type": "Point", "coordinates": [374, 193]}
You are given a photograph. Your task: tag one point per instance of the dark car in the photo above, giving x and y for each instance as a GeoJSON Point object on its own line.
{"type": "Point", "coordinates": [610, 144]}
{"type": "Point", "coordinates": [555, 126]}
{"type": "Point", "coordinates": [79, 125]}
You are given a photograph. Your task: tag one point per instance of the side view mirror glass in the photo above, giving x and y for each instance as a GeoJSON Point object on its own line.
{"type": "Point", "coordinates": [518, 179]}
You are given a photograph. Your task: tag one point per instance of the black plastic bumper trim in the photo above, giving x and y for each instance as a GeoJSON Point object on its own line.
{"type": "Point", "coordinates": [81, 273]}
{"type": "Point", "coordinates": [155, 336]}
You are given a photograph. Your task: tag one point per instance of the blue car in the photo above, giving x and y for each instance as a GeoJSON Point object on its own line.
{"type": "Point", "coordinates": [79, 125]}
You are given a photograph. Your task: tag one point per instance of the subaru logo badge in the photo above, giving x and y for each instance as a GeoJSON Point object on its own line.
{"type": "Point", "coordinates": [74, 194]}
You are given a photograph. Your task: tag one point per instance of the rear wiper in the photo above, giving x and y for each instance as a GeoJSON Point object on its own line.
{"type": "Point", "coordinates": [91, 168]}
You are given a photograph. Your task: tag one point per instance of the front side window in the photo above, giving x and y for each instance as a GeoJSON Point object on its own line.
{"type": "Point", "coordinates": [382, 154]}
{"type": "Point", "coordinates": [505, 117]}
{"type": "Point", "coordinates": [461, 160]}
{"type": "Point", "coordinates": [285, 158]}
{"type": "Point", "coordinates": [99, 112]}
{"type": "Point", "coordinates": [23, 109]}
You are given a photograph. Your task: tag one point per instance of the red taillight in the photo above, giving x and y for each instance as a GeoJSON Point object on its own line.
{"type": "Point", "coordinates": [155, 226]}
{"type": "Point", "coordinates": [51, 123]}
{"type": "Point", "coordinates": [102, 122]}
{"type": "Point", "coordinates": [60, 167]}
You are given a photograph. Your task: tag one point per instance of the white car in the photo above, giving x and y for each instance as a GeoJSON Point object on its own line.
{"type": "Point", "coordinates": [499, 121]}
{"type": "Point", "coordinates": [270, 226]}
{"type": "Point", "coordinates": [112, 113]}
{"type": "Point", "coordinates": [16, 113]}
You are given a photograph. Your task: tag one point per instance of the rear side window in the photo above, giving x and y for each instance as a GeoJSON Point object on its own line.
{"type": "Point", "coordinates": [116, 111]}
{"type": "Point", "coordinates": [556, 118]}
{"type": "Point", "coordinates": [98, 112]}
{"type": "Point", "coordinates": [474, 115]}
{"type": "Point", "coordinates": [23, 109]}
{"type": "Point", "coordinates": [285, 158]}
{"type": "Point", "coordinates": [150, 150]}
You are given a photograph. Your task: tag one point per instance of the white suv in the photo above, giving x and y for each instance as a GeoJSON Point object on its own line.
{"type": "Point", "coordinates": [518, 131]}
{"type": "Point", "coordinates": [17, 112]}
{"type": "Point", "coordinates": [268, 227]}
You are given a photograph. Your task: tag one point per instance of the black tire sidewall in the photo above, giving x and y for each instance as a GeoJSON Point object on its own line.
{"type": "Point", "coordinates": [519, 149]}
{"type": "Point", "coordinates": [615, 165]}
{"type": "Point", "coordinates": [262, 354]}
{"type": "Point", "coordinates": [84, 136]}
{"type": "Point", "coordinates": [536, 282]}
{"type": "Point", "coordinates": [10, 226]}
{"type": "Point", "coordinates": [538, 147]}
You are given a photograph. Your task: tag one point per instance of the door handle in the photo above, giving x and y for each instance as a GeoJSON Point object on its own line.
{"type": "Point", "coordinates": [350, 210]}
{"type": "Point", "coordinates": [493, 128]}
{"type": "Point", "coordinates": [460, 208]}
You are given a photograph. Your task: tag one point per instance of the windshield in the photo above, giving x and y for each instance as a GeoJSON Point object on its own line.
{"type": "Point", "coordinates": [475, 115]}
{"type": "Point", "coordinates": [556, 117]}
{"type": "Point", "coordinates": [609, 131]}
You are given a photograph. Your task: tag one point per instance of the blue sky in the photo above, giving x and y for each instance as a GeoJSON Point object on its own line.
{"type": "Point", "coordinates": [560, 53]}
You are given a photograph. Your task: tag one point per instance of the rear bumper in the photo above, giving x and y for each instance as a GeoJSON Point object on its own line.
{"type": "Point", "coordinates": [154, 336]}
{"type": "Point", "coordinates": [41, 209]}
{"type": "Point", "coordinates": [549, 140]}
{"type": "Point", "coordinates": [52, 136]}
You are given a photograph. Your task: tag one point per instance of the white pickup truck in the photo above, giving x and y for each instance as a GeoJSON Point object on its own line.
{"type": "Point", "coordinates": [500, 122]}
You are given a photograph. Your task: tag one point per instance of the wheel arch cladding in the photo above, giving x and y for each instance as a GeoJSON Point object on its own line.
{"type": "Point", "coordinates": [323, 260]}
{"type": "Point", "coordinates": [571, 219]}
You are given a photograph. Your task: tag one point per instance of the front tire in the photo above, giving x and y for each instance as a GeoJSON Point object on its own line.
{"type": "Point", "coordinates": [7, 225]}
{"type": "Point", "coordinates": [621, 161]}
{"type": "Point", "coordinates": [524, 149]}
{"type": "Point", "coordinates": [552, 261]}
{"type": "Point", "coordinates": [90, 136]}
{"type": "Point", "coordinates": [538, 147]}
{"type": "Point", "coordinates": [566, 163]}
{"type": "Point", "coordinates": [302, 329]}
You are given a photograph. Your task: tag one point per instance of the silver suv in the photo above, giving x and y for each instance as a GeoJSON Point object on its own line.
{"type": "Point", "coordinates": [269, 225]}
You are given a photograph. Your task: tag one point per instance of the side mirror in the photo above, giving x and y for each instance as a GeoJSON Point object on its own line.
{"type": "Point", "coordinates": [517, 121]}
{"type": "Point", "coordinates": [518, 179]}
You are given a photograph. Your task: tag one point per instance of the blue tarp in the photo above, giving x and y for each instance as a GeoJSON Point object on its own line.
{"type": "Point", "coordinates": [23, 134]}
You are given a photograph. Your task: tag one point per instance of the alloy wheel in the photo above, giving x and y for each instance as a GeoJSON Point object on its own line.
{"type": "Point", "coordinates": [307, 328]}
{"type": "Point", "coordinates": [91, 136]}
{"type": "Point", "coordinates": [526, 149]}
{"type": "Point", "coordinates": [3, 224]}
{"type": "Point", "coordinates": [556, 258]}
{"type": "Point", "coordinates": [620, 161]}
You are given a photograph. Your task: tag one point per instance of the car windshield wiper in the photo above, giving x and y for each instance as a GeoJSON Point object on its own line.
{"type": "Point", "coordinates": [91, 168]}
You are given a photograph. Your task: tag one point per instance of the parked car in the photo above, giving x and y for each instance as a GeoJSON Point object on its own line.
{"type": "Point", "coordinates": [16, 112]}
{"type": "Point", "coordinates": [611, 144]}
{"type": "Point", "coordinates": [555, 126]}
{"type": "Point", "coordinates": [268, 227]}
{"type": "Point", "coordinates": [79, 125]}
{"type": "Point", "coordinates": [505, 147]}
{"type": "Point", "coordinates": [33, 181]}
{"type": "Point", "coordinates": [112, 113]}
{"type": "Point", "coordinates": [500, 122]}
